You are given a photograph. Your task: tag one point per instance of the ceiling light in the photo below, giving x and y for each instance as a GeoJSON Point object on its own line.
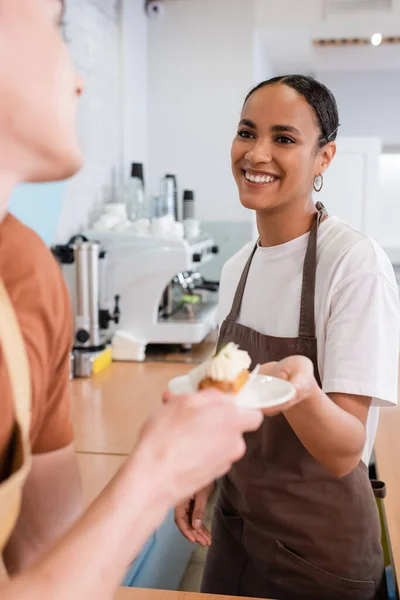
{"type": "Point", "coordinates": [376, 39]}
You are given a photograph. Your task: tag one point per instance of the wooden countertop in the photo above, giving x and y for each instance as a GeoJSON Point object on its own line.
{"type": "Point", "coordinates": [137, 594]}
{"type": "Point", "coordinates": [109, 409]}
{"type": "Point", "coordinates": [387, 452]}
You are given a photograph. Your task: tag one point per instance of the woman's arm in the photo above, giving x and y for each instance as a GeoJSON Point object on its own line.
{"type": "Point", "coordinates": [187, 444]}
{"type": "Point", "coordinates": [331, 427]}
{"type": "Point", "coordinates": [360, 361]}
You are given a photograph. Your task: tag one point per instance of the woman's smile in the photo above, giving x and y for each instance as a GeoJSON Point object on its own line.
{"type": "Point", "coordinates": [259, 179]}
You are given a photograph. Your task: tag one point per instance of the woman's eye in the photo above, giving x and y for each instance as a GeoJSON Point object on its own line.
{"type": "Point", "coordinates": [283, 139]}
{"type": "Point", "coordinates": [245, 134]}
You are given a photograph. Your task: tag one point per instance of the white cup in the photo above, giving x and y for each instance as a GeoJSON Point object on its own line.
{"type": "Point", "coordinates": [116, 209]}
{"type": "Point", "coordinates": [160, 227]}
{"type": "Point", "coordinates": [191, 228]}
{"type": "Point", "coordinates": [141, 226]}
{"type": "Point", "coordinates": [177, 230]}
{"type": "Point", "coordinates": [122, 225]}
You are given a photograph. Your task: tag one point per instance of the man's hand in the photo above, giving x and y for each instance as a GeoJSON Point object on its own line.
{"type": "Point", "coordinates": [189, 517]}
{"type": "Point", "coordinates": [195, 439]}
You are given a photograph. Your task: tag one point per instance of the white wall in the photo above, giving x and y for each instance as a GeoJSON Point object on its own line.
{"type": "Point", "coordinates": [351, 188]}
{"type": "Point", "coordinates": [92, 30]}
{"type": "Point", "coordinates": [108, 42]}
{"type": "Point", "coordinates": [200, 68]}
{"type": "Point", "coordinates": [369, 105]}
{"type": "Point", "coordinates": [134, 84]}
{"type": "Point", "coordinates": [389, 220]}
{"type": "Point", "coordinates": [263, 68]}
{"type": "Point", "coordinates": [368, 102]}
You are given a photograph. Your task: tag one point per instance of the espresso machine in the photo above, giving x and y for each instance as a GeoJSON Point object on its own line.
{"type": "Point", "coordinates": [164, 298]}
{"type": "Point", "coordinates": [84, 266]}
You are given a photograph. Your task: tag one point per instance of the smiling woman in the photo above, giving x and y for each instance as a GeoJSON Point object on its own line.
{"type": "Point", "coordinates": [296, 518]}
{"type": "Point", "coordinates": [285, 141]}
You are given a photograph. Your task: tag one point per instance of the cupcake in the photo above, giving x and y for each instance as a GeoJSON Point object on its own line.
{"type": "Point", "coordinates": [227, 371]}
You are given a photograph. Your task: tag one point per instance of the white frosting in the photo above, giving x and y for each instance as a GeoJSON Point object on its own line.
{"type": "Point", "coordinates": [197, 374]}
{"type": "Point", "coordinates": [228, 363]}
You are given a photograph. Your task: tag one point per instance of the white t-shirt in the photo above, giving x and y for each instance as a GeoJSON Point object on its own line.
{"type": "Point", "coordinates": [356, 309]}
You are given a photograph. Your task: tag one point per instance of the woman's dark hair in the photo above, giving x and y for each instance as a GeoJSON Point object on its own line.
{"type": "Point", "coordinates": [321, 100]}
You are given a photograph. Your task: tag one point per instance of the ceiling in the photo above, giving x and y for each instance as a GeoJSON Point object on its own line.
{"type": "Point", "coordinates": [285, 30]}
{"type": "Point", "coordinates": [287, 34]}
{"type": "Point", "coordinates": [352, 6]}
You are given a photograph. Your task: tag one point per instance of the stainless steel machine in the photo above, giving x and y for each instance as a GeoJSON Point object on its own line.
{"type": "Point", "coordinates": [84, 265]}
{"type": "Point", "coordinates": [164, 298]}
{"type": "Point", "coordinates": [187, 298]}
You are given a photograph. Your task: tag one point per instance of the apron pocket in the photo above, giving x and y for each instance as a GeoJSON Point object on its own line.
{"type": "Point", "coordinates": [226, 559]}
{"type": "Point", "coordinates": [379, 488]}
{"type": "Point", "coordinates": [293, 570]}
{"type": "Point", "coordinates": [227, 529]}
{"type": "Point", "coordinates": [229, 520]}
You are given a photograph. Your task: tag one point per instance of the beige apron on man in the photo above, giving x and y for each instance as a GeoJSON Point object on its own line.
{"type": "Point", "coordinates": [16, 360]}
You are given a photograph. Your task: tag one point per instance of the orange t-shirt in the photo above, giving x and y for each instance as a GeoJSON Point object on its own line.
{"type": "Point", "coordinates": [41, 302]}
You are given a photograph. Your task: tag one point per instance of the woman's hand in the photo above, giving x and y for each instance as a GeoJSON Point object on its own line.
{"type": "Point", "coordinates": [189, 517]}
{"type": "Point", "coordinates": [331, 427]}
{"type": "Point", "coordinates": [297, 370]}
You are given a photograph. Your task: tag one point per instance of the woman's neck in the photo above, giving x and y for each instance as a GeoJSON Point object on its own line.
{"type": "Point", "coordinates": [285, 223]}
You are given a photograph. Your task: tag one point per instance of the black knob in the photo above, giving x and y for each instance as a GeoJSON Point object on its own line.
{"type": "Point", "coordinates": [64, 254]}
{"type": "Point", "coordinates": [117, 311]}
{"type": "Point", "coordinates": [197, 257]}
{"type": "Point", "coordinates": [104, 318]}
{"type": "Point", "coordinates": [82, 336]}
{"type": "Point", "coordinates": [137, 171]}
{"type": "Point", "coordinates": [77, 239]}
{"type": "Point", "coordinates": [188, 195]}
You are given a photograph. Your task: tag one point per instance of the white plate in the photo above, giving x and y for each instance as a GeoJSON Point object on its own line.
{"type": "Point", "coordinates": [260, 392]}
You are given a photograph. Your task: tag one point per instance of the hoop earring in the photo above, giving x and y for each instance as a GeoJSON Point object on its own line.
{"type": "Point", "coordinates": [318, 183]}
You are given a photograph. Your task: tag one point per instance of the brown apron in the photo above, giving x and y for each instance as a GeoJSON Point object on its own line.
{"type": "Point", "coordinates": [283, 526]}
{"type": "Point", "coordinates": [19, 459]}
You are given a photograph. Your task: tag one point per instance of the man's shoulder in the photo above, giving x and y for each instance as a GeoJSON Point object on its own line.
{"type": "Point", "coordinates": [27, 265]}
{"type": "Point", "coordinates": [36, 286]}
{"type": "Point", "coordinates": [18, 241]}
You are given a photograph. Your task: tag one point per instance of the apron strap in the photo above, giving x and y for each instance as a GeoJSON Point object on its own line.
{"type": "Point", "coordinates": [237, 301]}
{"type": "Point", "coordinates": [14, 353]}
{"type": "Point", "coordinates": [307, 309]}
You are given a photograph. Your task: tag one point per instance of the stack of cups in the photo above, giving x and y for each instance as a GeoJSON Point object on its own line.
{"type": "Point", "coordinates": [116, 209]}
{"type": "Point", "coordinates": [188, 205]}
{"type": "Point", "coordinates": [173, 183]}
{"type": "Point", "coordinates": [191, 226]}
{"type": "Point", "coordinates": [114, 217]}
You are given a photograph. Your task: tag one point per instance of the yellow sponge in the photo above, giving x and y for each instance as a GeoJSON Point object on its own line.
{"type": "Point", "coordinates": [102, 361]}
